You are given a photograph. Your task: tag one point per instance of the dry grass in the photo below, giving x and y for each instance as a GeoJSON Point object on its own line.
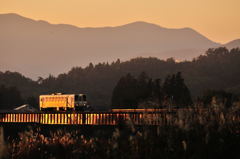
{"type": "Point", "coordinates": [187, 134]}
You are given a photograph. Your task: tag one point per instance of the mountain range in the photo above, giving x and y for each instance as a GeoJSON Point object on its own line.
{"type": "Point", "coordinates": [38, 48]}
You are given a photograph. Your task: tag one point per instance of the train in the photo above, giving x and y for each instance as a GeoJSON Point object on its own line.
{"type": "Point", "coordinates": [63, 102]}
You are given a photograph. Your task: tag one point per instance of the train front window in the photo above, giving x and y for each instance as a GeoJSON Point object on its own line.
{"type": "Point", "coordinates": [76, 98]}
{"type": "Point", "coordinates": [84, 98]}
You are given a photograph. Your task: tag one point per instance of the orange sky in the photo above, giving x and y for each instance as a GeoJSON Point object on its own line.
{"type": "Point", "coordinates": [219, 20]}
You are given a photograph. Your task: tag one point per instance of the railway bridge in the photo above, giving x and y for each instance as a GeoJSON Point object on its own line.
{"type": "Point", "coordinates": [138, 117]}
{"type": "Point", "coordinates": [113, 117]}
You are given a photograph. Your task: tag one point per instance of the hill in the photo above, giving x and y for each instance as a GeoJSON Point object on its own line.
{"type": "Point", "coordinates": [233, 44]}
{"type": "Point", "coordinates": [217, 69]}
{"type": "Point", "coordinates": [38, 48]}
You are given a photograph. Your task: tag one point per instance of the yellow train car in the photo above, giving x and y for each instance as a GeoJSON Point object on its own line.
{"type": "Point", "coordinates": [63, 102]}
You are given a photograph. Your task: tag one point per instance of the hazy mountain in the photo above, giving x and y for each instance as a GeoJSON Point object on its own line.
{"type": "Point", "coordinates": [38, 48]}
{"type": "Point", "coordinates": [233, 44]}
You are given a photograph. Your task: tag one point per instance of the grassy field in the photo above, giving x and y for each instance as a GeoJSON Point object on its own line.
{"type": "Point", "coordinates": [188, 134]}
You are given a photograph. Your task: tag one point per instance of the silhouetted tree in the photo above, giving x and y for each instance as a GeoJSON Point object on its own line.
{"type": "Point", "coordinates": [130, 92]}
{"type": "Point", "coordinates": [143, 90]}
{"type": "Point", "coordinates": [157, 91]}
{"type": "Point", "coordinates": [124, 94]}
{"type": "Point", "coordinates": [176, 91]}
{"type": "Point", "coordinates": [10, 97]}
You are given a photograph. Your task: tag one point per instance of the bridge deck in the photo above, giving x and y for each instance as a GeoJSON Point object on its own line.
{"type": "Point", "coordinates": [93, 118]}
{"type": "Point", "coordinates": [150, 117]}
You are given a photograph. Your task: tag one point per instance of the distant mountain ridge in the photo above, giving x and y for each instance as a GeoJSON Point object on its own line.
{"type": "Point", "coordinates": [233, 44]}
{"type": "Point", "coordinates": [38, 48]}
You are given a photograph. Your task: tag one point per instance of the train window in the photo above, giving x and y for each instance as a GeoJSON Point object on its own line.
{"type": "Point", "coordinates": [84, 98]}
{"type": "Point", "coordinates": [76, 98]}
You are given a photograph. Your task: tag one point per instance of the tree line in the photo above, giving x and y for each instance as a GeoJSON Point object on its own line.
{"type": "Point", "coordinates": [217, 69]}
{"type": "Point", "coordinates": [131, 92]}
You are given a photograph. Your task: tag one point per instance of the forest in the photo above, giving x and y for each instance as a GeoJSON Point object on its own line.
{"type": "Point", "coordinates": [143, 92]}
{"type": "Point", "coordinates": [215, 72]}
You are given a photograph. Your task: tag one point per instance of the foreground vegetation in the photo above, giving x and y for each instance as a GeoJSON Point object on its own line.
{"type": "Point", "coordinates": [188, 134]}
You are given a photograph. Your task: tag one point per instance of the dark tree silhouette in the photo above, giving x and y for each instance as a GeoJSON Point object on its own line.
{"type": "Point", "coordinates": [10, 97]}
{"type": "Point", "coordinates": [130, 92]}
{"type": "Point", "coordinates": [125, 93]}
